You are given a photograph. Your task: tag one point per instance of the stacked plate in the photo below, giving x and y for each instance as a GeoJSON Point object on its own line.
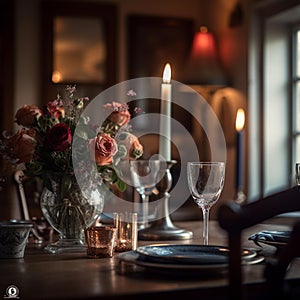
{"type": "Point", "coordinates": [185, 258]}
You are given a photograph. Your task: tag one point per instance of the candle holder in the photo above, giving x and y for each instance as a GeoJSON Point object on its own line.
{"type": "Point", "coordinates": [100, 241]}
{"type": "Point", "coordinates": [126, 224]}
{"type": "Point", "coordinates": [163, 228]}
{"type": "Point", "coordinates": [240, 196]}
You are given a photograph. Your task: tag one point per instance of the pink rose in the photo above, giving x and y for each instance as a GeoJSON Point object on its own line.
{"type": "Point", "coordinates": [59, 137]}
{"type": "Point", "coordinates": [22, 145]}
{"type": "Point", "coordinates": [27, 115]}
{"type": "Point", "coordinates": [56, 109]}
{"type": "Point", "coordinates": [119, 113]}
{"type": "Point", "coordinates": [131, 143]}
{"type": "Point", "coordinates": [102, 149]}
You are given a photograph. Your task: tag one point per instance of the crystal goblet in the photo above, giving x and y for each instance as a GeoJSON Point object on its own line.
{"type": "Point", "coordinates": [205, 181]}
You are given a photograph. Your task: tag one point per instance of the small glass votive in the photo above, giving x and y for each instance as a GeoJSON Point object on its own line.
{"type": "Point", "coordinates": [100, 241]}
{"type": "Point", "coordinates": [126, 224]}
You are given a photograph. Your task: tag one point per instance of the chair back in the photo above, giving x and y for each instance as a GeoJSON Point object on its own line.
{"type": "Point", "coordinates": [234, 218]}
{"type": "Point", "coordinates": [20, 178]}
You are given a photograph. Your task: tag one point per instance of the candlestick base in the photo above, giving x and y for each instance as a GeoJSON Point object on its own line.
{"type": "Point", "coordinates": [163, 228]}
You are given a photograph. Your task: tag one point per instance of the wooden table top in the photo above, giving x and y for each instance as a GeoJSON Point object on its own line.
{"type": "Point", "coordinates": [40, 275]}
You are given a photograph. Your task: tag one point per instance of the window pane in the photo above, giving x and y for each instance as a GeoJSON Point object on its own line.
{"type": "Point", "coordinates": [297, 154]}
{"type": "Point", "coordinates": [298, 53]}
{"type": "Point", "coordinates": [297, 98]}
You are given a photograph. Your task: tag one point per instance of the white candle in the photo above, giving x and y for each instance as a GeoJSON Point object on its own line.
{"type": "Point", "coordinates": [165, 109]}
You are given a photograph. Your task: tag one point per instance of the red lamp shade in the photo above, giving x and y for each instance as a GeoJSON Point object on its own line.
{"type": "Point", "coordinates": [203, 66]}
{"type": "Point", "coordinates": [203, 45]}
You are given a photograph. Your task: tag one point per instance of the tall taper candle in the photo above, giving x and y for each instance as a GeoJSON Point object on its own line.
{"type": "Point", "coordinates": [239, 126]}
{"type": "Point", "coordinates": [165, 109]}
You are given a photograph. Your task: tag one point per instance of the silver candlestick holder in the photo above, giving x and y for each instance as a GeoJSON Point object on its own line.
{"type": "Point", "coordinates": [163, 228]}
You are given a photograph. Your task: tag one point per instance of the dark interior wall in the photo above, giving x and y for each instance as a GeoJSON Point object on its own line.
{"type": "Point", "coordinates": [6, 97]}
{"type": "Point", "coordinates": [6, 63]}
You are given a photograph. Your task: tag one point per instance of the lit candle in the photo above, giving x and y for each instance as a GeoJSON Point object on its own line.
{"type": "Point", "coordinates": [165, 109]}
{"type": "Point", "coordinates": [239, 126]}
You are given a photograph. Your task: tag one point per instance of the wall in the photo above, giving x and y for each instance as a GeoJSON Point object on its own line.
{"type": "Point", "coordinates": [28, 36]}
{"type": "Point", "coordinates": [26, 52]}
{"type": "Point", "coordinates": [233, 49]}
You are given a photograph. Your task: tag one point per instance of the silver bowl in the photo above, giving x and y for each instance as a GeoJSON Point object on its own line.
{"type": "Point", "coordinates": [13, 238]}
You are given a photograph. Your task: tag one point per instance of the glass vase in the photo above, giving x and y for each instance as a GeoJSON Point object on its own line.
{"type": "Point", "coordinates": [70, 214]}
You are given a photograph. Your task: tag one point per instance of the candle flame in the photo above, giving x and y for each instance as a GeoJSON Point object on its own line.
{"type": "Point", "coordinates": [240, 120]}
{"type": "Point", "coordinates": [167, 74]}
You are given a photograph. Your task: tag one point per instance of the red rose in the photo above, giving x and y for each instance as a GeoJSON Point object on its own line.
{"type": "Point", "coordinates": [102, 149]}
{"type": "Point", "coordinates": [119, 113]}
{"type": "Point", "coordinates": [131, 143]}
{"type": "Point", "coordinates": [22, 145]}
{"type": "Point", "coordinates": [59, 137]}
{"type": "Point", "coordinates": [26, 115]}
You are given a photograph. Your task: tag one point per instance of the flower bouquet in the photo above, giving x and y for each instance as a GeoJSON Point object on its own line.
{"type": "Point", "coordinates": [43, 148]}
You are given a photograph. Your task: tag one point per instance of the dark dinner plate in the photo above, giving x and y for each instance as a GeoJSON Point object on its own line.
{"type": "Point", "coordinates": [188, 254]}
{"type": "Point", "coordinates": [210, 265]}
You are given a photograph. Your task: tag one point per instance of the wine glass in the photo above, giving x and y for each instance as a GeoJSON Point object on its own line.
{"type": "Point", "coordinates": [205, 181]}
{"type": "Point", "coordinates": [143, 175]}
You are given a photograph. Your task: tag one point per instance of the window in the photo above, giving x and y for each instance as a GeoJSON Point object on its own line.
{"type": "Point", "coordinates": [296, 94]}
{"type": "Point", "coordinates": [274, 97]}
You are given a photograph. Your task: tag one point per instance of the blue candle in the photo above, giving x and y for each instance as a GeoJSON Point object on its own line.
{"type": "Point", "coordinates": [239, 125]}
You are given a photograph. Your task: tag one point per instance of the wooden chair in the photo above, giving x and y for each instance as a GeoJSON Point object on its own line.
{"type": "Point", "coordinates": [234, 218]}
{"type": "Point", "coordinates": [20, 179]}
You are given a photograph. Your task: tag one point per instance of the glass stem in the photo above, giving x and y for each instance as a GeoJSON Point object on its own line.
{"type": "Point", "coordinates": [145, 212]}
{"type": "Point", "coordinates": [205, 225]}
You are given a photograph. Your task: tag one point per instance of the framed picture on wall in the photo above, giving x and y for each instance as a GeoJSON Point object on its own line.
{"type": "Point", "coordinates": [154, 41]}
{"type": "Point", "coordinates": [78, 46]}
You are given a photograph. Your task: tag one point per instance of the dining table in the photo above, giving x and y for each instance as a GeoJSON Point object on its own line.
{"type": "Point", "coordinates": [41, 275]}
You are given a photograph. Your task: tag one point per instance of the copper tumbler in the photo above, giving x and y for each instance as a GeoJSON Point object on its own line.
{"type": "Point", "coordinates": [100, 241]}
